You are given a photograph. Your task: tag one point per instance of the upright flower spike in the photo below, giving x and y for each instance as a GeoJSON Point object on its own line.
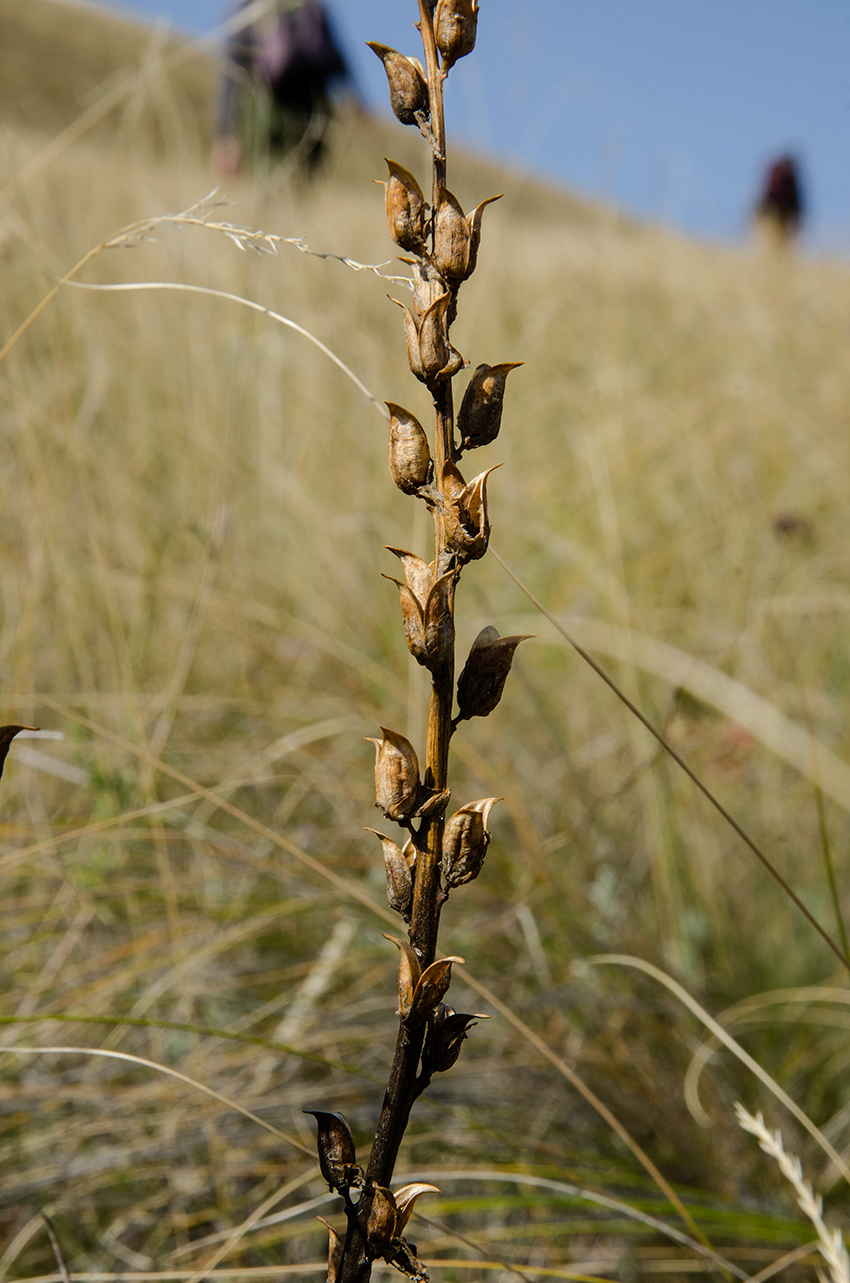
{"type": "Point", "coordinates": [406, 82]}
{"type": "Point", "coordinates": [455, 29]}
{"type": "Point", "coordinates": [480, 416]}
{"type": "Point", "coordinates": [485, 672]}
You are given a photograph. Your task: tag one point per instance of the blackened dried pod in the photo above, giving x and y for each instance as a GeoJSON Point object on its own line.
{"type": "Point", "coordinates": [444, 1039]}
{"type": "Point", "coordinates": [455, 26]}
{"type": "Point", "coordinates": [480, 415]}
{"type": "Point", "coordinates": [334, 1250]}
{"type": "Point", "coordinates": [409, 972]}
{"type": "Point", "coordinates": [382, 1219]}
{"type": "Point", "coordinates": [485, 672]}
{"type": "Point", "coordinates": [432, 987]}
{"type": "Point", "coordinates": [452, 238]}
{"type": "Point", "coordinates": [406, 209]}
{"type": "Point", "coordinates": [337, 1154]}
{"type": "Point", "coordinates": [398, 791]}
{"type": "Point", "coordinates": [409, 456]}
{"type": "Point", "coordinates": [418, 575]}
{"type": "Point", "coordinates": [405, 1199]}
{"type": "Point", "coordinates": [399, 870]}
{"type": "Point", "coordinates": [465, 842]}
{"type": "Point", "coordinates": [406, 81]}
{"type": "Point", "coordinates": [474, 222]}
{"type": "Point", "coordinates": [7, 734]}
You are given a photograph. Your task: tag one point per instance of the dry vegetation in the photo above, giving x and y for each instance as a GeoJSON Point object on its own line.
{"type": "Point", "coordinates": [191, 593]}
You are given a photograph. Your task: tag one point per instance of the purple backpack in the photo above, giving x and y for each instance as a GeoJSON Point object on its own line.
{"type": "Point", "coordinates": [298, 45]}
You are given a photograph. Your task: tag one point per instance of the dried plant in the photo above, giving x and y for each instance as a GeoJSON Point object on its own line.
{"type": "Point", "coordinates": [438, 854]}
{"type": "Point", "coordinates": [830, 1242]}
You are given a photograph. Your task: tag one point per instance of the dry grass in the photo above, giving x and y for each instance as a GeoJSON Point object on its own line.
{"type": "Point", "coordinates": [193, 497]}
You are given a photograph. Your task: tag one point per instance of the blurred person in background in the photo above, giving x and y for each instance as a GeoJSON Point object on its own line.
{"type": "Point", "coordinates": [780, 207]}
{"type": "Point", "coordinates": [282, 65]}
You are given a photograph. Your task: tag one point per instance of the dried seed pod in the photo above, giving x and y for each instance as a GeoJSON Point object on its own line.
{"type": "Point", "coordinates": [429, 353]}
{"type": "Point", "coordinates": [455, 25]}
{"type": "Point", "coordinates": [436, 802]}
{"type": "Point", "coordinates": [407, 84]}
{"type": "Point", "coordinates": [399, 863]}
{"type": "Point", "coordinates": [406, 1197]}
{"type": "Point", "coordinates": [406, 209]}
{"type": "Point", "coordinates": [429, 631]}
{"type": "Point", "coordinates": [452, 238]}
{"type": "Point", "coordinates": [465, 842]}
{"type": "Point", "coordinates": [418, 575]}
{"type": "Point", "coordinates": [474, 223]}
{"type": "Point", "coordinates": [465, 519]}
{"type": "Point", "coordinates": [485, 672]}
{"type": "Point", "coordinates": [7, 734]}
{"type": "Point", "coordinates": [432, 987]}
{"type": "Point", "coordinates": [398, 791]}
{"type": "Point", "coordinates": [382, 1220]}
{"type": "Point", "coordinates": [447, 1030]}
{"type": "Point", "coordinates": [337, 1154]}
{"type": "Point", "coordinates": [335, 1246]}
{"type": "Point", "coordinates": [409, 972]}
{"type": "Point", "coordinates": [409, 456]}
{"type": "Point", "coordinates": [480, 415]}
{"type": "Point", "coordinates": [427, 285]}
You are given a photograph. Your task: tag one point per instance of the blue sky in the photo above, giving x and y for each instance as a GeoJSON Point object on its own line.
{"type": "Point", "coordinates": [669, 108]}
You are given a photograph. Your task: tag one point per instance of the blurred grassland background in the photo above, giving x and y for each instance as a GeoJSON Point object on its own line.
{"type": "Point", "coordinates": [195, 501]}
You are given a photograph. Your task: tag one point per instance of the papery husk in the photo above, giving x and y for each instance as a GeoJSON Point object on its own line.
{"type": "Point", "coordinates": [452, 238]}
{"type": "Point", "coordinates": [336, 1149]}
{"type": "Point", "coordinates": [485, 672]}
{"type": "Point", "coordinates": [432, 987]}
{"type": "Point", "coordinates": [399, 864]}
{"type": "Point", "coordinates": [465, 842]}
{"type": "Point", "coordinates": [418, 575]}
{"type": "Point", "coordinates": [382, 1221]}
{"type": "Point", "coordinates": [474, 223]}
{"type": "Point", "coordinates": [465, 518]}
{"type": "Point", "coordinates": [406, 83]}
{"type": "Point", "coordinates": [406, 209]}
{"type": "Point", "coordinates": [409, 973]}
{"type": "Point", "coordinates": [398, 791]}
{"type": "Point", "coordinates": [455, 26]}
{"type": "Point", "coordinates": [335, 1246]}
{"type": "Point", "coordinates": [405, 1199]}
{"type": "Point", "coordinates": [409, 456]}
{"type": "Point", "coordinates": [480, 415]}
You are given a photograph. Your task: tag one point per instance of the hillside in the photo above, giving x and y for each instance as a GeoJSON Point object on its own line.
{"type": "Point", "coordinates": [195, 508]}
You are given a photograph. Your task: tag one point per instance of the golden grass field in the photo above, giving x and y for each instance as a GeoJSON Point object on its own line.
{"type": "Point", "coordinates": [195, 503]}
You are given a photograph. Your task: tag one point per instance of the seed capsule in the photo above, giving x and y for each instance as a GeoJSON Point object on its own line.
{"type": "Point", "coordinates": [409, 456]}
{"type": "Point", "coordinates": [465, 519]}
{"type": "Point", "coordinates": [406, 1197]}
{"type": "Point", "coordinates": [429, 353]}
{"type": "Point", "coordinates": [432, 987]}
{"type": "Point", "coordinates": [452, 238]}
{"type": "Point", "coordinates": [398, 791]}
{"type": "Point", "coordinates": [480, 414]}
{"type": "Point", "coordinates": [337, 1155]}
{"type": "Point", "coordinates": [381, 1224]}
{"type": "Point", "coordinates": [455, 24]}
{"type": "Point", "coordinates": [447, 1030]}
{"type": "Point", "coordinates": [406, 209]}
{"type": "Point", "coordinates": [399, 863]}
{"type": "Point", "coordinates": [465, 842]}
{"type": "Point", "coordinates": [407, 85]}
{"type": "Point", "coordinates": [409, 972]}
{"type": "Point", "coordinates": [334, 1250]}
{"type": "Point", "coordinates": [429, 631]}
{"type": "Point", "coordinates": [474, 222]}
{"type": "Point", "coordinates": [419, 577]}
{"type": "Point", "coordinates": [485, 672]}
